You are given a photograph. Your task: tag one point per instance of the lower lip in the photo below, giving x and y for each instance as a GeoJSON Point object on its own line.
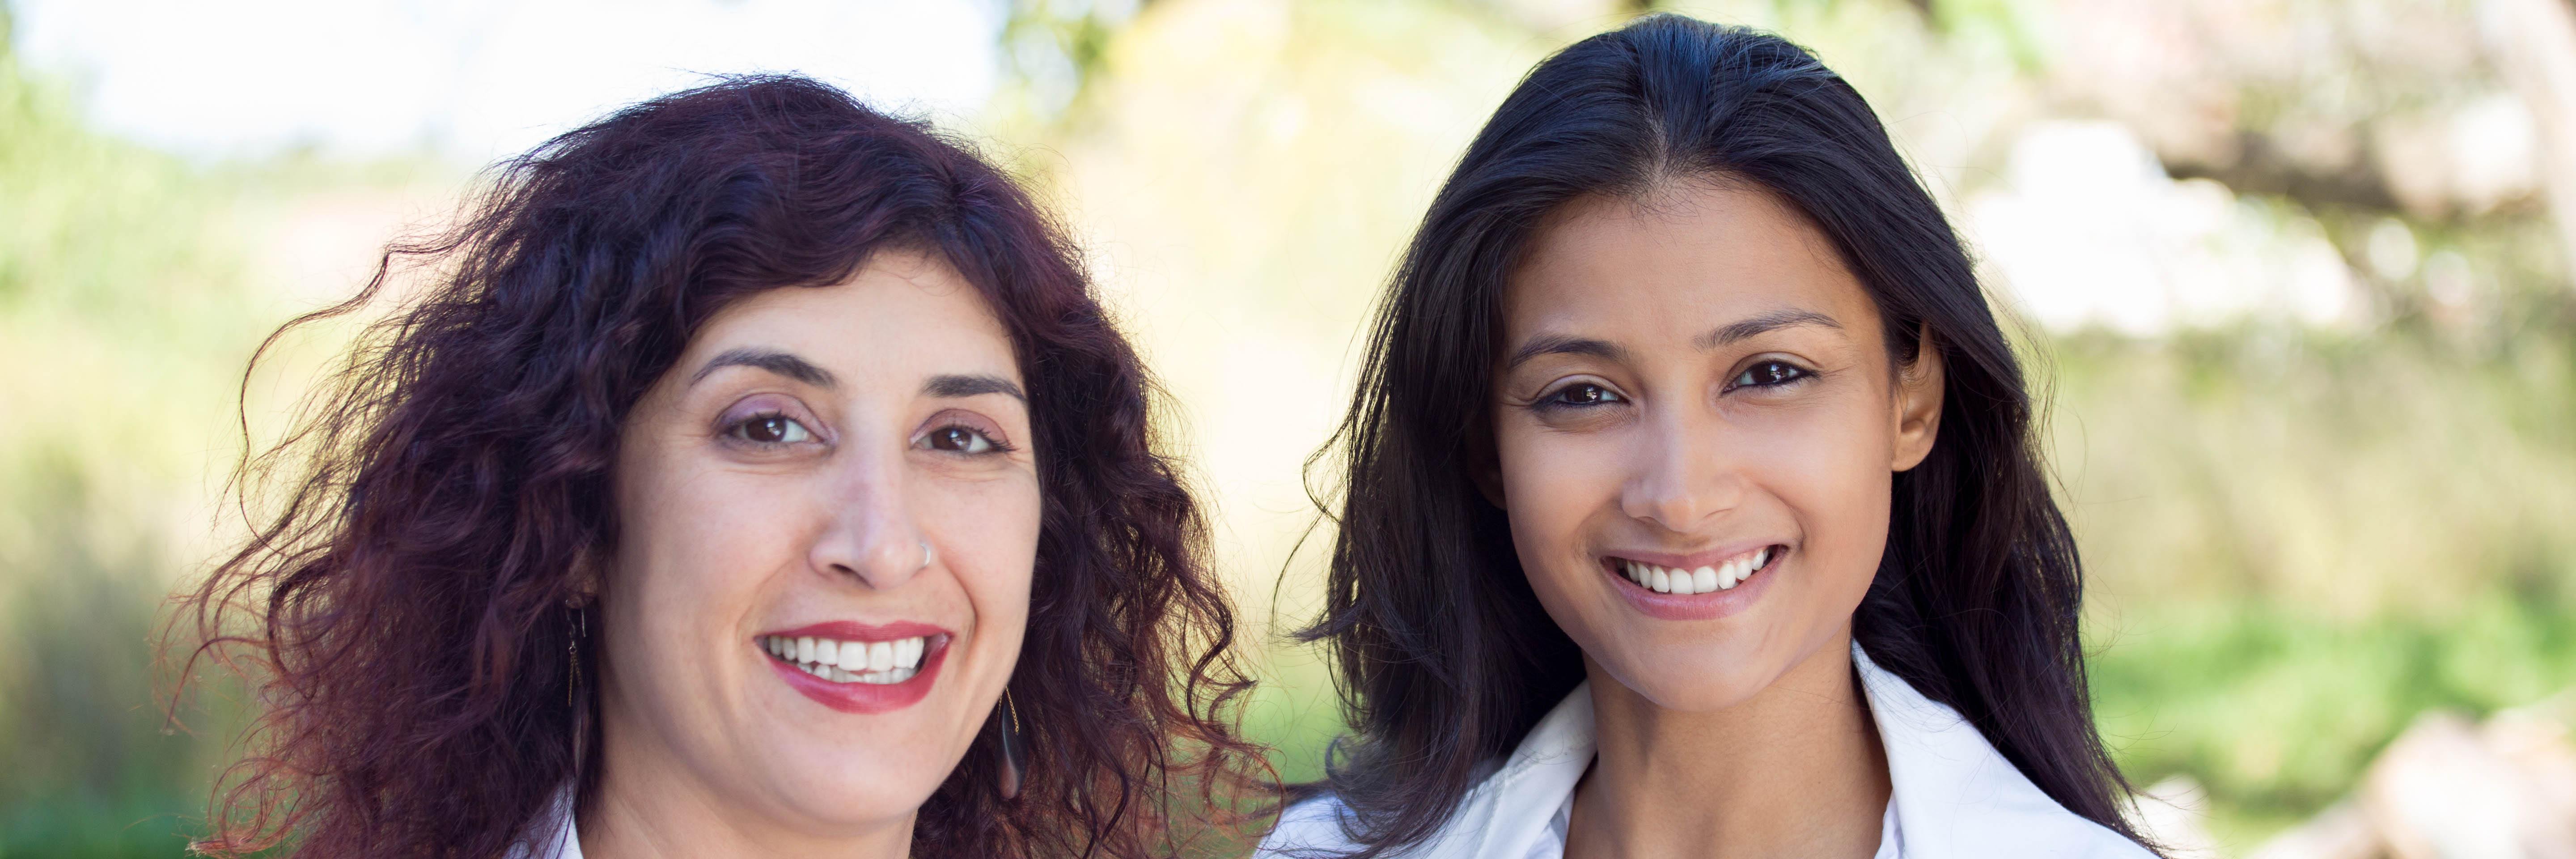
{"type": "Point", "coordinates": [863, 697]}
{"type": "Point", "coordinates": [1708, 606]}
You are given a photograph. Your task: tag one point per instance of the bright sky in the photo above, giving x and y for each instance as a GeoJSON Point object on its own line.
{"type": "Point", "coordinates": [475, 80]}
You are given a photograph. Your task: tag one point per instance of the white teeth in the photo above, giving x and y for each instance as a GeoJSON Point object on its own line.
{"type": "Point", "coordinates": [1708, 579]}
{"type": "Point", "coordinates": [879, 662]}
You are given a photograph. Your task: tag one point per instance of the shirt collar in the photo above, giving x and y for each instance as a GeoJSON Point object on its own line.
{"type": "Point", "coordinates": [1953, 796]}
{"type": "Point", "coordinates": [553, 835]}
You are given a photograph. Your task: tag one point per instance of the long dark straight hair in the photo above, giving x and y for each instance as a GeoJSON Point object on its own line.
{"type": "Point", "coordinates": [1975, 601]}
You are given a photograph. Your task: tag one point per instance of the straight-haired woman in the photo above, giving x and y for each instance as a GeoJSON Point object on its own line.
{"type": "Point", "coordinates": [1693, 506]}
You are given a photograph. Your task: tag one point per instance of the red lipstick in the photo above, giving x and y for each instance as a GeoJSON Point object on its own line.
{"type": "Point", "coordinates": [855, 697]}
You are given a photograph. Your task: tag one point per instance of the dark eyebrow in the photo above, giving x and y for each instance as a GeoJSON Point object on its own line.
{"type": "Point", "coordinates": [961, 386]}
{"type": "Point", "coordinates": [771, 360]}
{"type": "Point", "coordinates": [1765, 323]}
{"type": "Point", "coordinates": [1560, 344]}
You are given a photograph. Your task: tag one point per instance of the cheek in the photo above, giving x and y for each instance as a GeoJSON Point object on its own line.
{"type": "Point", "coordinates": [1559, 488]}
{"type": "Point", "coordinates": [707, 536]}
{"type": "Point", "coordinates": [695, 548]}
{"type": "Point", "coordinates": [987, 533]}
{"type": "Point", "coordinates": [1553, 482]}
{"type": "Point", "coordinates": [1829, 467]}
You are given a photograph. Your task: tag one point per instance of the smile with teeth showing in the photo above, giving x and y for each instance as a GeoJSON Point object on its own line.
{"type": "Point", "coordinates": [1709, 579]}
{"type": "Point", "coordinates": [873, 662]}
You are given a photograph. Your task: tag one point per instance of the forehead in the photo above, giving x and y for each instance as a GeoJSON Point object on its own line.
{"type": "Point", "coordinates": [1680, 260]}
{"type": "Point", "coordinates": [904, 311]}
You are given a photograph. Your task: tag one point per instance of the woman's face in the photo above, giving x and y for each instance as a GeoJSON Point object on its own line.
{"type": "Point", "coordinates": [1696, 428]}
{"type": "Point", "coordinates": [828, 516]}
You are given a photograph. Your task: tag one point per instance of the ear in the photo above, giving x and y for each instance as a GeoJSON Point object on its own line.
{"type": "Point", "coordinates": [589, 572]}
{"type": "Point", "coordinates": [1918, 403]}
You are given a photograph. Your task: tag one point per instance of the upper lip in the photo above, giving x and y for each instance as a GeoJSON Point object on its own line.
{"type": "Point", "coordinates": [851, 630]}
{"type": "Point", "coordinates": [1694, 560]}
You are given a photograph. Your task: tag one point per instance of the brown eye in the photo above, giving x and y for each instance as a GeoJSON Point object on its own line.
{"type": "Point", "coordinates": [1582, 394]}
{"type": "Point", "coordinates": [1769, 373]}
{"type": "Point", "coordinates": [772, 429]}
{"type": "Point", "coordinates": [957, 439]}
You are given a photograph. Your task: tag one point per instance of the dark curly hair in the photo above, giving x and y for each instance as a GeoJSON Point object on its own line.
{"type": "Point", "coordinates": [402, 605]}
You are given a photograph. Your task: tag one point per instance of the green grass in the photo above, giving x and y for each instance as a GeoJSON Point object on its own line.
{"type": "Point", "coordinates": [2275, 709]}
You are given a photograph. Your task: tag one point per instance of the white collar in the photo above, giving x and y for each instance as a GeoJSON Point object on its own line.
{"type": "Point", "coordinates": [553, 835]}
{"type": "Point", "coordinates": [1954, 796]}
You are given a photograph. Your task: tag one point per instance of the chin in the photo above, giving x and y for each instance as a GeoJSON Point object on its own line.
{"type": "Point", "coordinates": [1696, 685]}
{"type": "Point", "coordinates": [846, 793]}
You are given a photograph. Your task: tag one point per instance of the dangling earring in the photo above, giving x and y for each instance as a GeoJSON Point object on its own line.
{"type": "Point", "coordinates": [580, 629]}
{"type": "Point", "coordinates": [1015, 751]}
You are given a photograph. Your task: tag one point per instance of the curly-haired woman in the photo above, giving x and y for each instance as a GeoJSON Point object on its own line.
{"type": "Point", "coordinates": [759, 476]}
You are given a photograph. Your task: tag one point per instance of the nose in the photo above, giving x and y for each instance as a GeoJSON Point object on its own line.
{"type": "Point", "coordinates": [868, 533]}
{"type": "Point", "coordinates": [1680, 476]}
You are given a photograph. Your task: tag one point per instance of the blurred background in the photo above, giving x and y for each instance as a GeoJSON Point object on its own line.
{"type": "Point", "coordinates": [2295, 273]}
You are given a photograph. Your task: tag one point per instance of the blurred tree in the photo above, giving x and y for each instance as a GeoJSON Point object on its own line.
{"type": "Point", "coordinates": [1053, 49]}
{"type": "Point", "coordinates": [119, 307]}
{"type": "Point", "coordinates": [2534, 45]}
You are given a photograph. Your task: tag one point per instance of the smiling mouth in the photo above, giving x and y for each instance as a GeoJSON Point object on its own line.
{"type": "Point", "coordinates": [879, 663]}
{"type": "Point", "coordinates": [1721, 576]}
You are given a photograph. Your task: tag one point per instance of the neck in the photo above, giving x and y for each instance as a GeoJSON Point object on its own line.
{"type": "Point", "coordinates": [1796, 770]}
{"type": "Point", "coordinates": [650, 805]}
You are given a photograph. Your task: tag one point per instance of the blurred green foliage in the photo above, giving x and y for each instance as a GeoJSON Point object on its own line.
{"type": "Point", "coordinates": [2275, 710]}
{"type": "Point", "coordinates": [2299, 539]}
{"type": "Point", "coordinates": [126, 314]}
{"type": "Point", "coordinates": [103, 252]}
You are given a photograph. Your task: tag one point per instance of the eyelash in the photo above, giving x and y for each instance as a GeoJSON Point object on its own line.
{"type": "Point", "coordinates": [1783, 374]}
{"type": "Point", "coordinates": [1786, 374]}
{"type": "Point", "coordinates": [741, 430]}
{"type": "Point", "coordinates": [992, 446]}
{"type": "Point", "coordinates": [1557, 399]}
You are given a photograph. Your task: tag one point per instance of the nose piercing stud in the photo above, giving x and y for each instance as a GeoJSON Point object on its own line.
{"type": "Point", "coordinates": [926, 556]}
